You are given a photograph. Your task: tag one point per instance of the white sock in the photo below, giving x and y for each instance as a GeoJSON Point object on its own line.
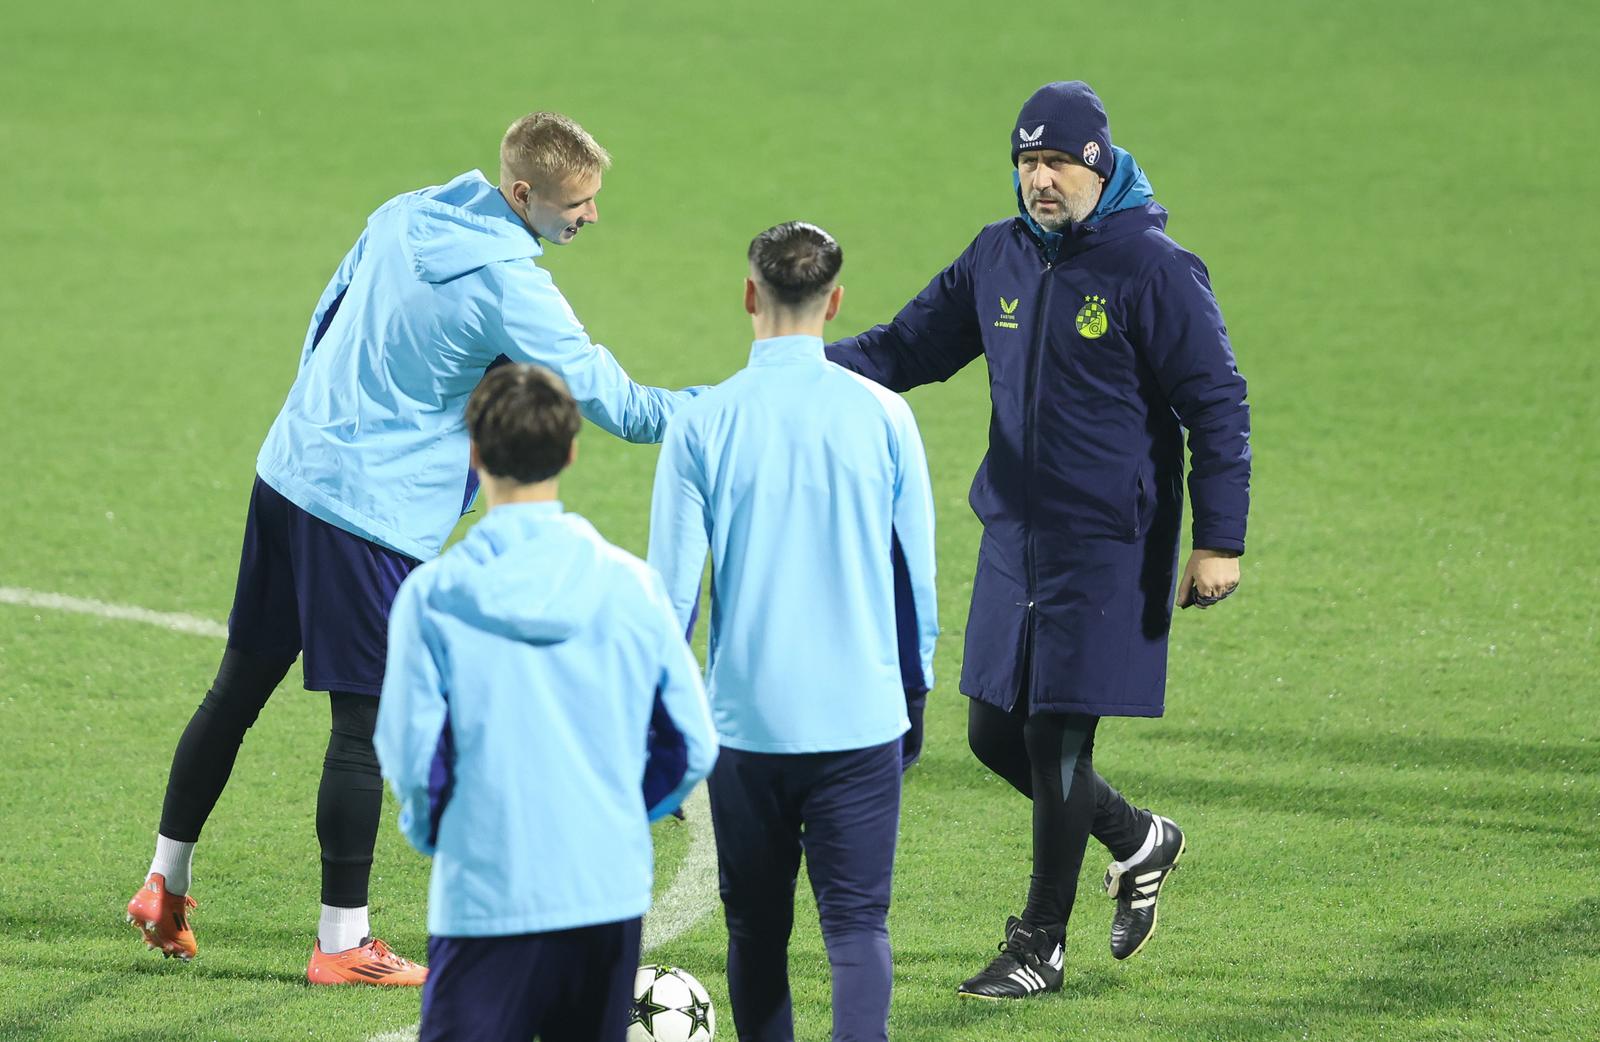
{"type": "Point", "coordinates": [341, 929]}
{"type": "Point", "coordinates": [1150, 839]}
{"type": "Point", "coordinates": [172, 862]}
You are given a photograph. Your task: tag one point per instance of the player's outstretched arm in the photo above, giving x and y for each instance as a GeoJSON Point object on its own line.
{"type": "Point", "coordinates": [539, 326]}
{"type": "Point", "coordinates": [412, 716]}
{"type": "Point", "coordinates": [930, 340]}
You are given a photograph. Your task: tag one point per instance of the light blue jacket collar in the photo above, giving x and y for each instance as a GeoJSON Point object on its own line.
{"type": "Point", "coordinates": [783, 350]}
{"type": "Point", "coordinates": [512, 512]}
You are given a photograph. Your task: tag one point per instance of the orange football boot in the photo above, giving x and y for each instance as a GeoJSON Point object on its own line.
{"type": "Point", "coordinates": [373, 962]}
{"type": "Point", "coordinates": [163, 918]}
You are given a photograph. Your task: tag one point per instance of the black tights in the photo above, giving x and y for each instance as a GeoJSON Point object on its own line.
{"type": "Point", "coordinates": [349, 800]}
{"type": "Point", "coordinates": [1049, 758]}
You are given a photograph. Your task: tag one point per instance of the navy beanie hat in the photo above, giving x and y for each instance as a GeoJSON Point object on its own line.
{"type": "Point", "coordinates": [1065, 116]}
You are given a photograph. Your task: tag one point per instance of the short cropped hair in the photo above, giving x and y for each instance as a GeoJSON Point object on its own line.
{"type": "Point", "coordinates": [546, 149]}
{"type": "Point", "coordinates": [797, 261]}
{"type": "Point", "coordinates": [522, 420]}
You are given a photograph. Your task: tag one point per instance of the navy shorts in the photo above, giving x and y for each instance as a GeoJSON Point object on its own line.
{"type": "Point", "coordinates": [308, 586]}
{"type": "Point", "coordinates": [562, 986]}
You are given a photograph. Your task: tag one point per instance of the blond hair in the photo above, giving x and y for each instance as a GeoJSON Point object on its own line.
{"type": "Point", "coordinates": [546, 149]}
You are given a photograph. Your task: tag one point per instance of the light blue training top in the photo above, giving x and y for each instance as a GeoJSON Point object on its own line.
{"type": "Point", "coordinates": [442, 282]}
{"type": "Point", "coordinates": [800, 477]}
{"type": "Point", "coordinates": [524, 667]}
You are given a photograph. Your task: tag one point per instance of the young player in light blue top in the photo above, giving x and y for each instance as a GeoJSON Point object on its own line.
{"type": "Point", "coordinates": [806, 483]}
{"type": "Point", "coordinates": [809, 487]}
{"type": "Point", "coordinates": [527, 666]}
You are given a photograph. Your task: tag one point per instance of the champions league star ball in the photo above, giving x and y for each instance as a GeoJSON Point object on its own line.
{"type": "Point", "coordinates": [670, 1006]}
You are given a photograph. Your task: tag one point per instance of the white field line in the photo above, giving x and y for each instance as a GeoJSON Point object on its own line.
{"type": "Point", "coordinates": [169, 620]}
{"type": "Point", "coordinates": [689, 898]}
{"type": "Point", "coordinates": [693, 892]}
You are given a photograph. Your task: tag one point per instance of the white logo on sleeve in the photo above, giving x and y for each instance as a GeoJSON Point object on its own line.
{"type": "Point", "coordinates": [1091, 153]}
{"type": "Point", "coordinates": [1033, 138]}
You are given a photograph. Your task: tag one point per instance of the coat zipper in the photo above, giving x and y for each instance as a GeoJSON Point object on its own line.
{"type": "Point", "coordinates": [1030, 424]}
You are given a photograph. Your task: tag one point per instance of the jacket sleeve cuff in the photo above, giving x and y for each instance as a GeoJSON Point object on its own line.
{"type": "Point", "coordinates": [1213, 539]}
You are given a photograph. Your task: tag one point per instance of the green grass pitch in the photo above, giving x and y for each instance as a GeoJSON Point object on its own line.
{"type": "Point", "coordinates": [1385, 749]}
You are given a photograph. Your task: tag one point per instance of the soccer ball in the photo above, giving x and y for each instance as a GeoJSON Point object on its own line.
{"type": "Point", "coordinates": [670, 1006]}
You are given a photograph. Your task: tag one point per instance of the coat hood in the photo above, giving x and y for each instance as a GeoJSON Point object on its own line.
{"type": "Point", "coordinates": [527, 571]}
{"type": "Point", "coordinates": [461, 227]}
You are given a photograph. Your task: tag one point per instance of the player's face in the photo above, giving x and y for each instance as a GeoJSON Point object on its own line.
{"type": "Point", "coordinates": [558, 215]}
{"type": "Point", "coordinates": [1056, 187]}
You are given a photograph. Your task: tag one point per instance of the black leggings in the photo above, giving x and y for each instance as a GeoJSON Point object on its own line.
{"type": "Point", "coordinates": [349, 800]}
{"type": "Point", "coordinates": [1049, 758]}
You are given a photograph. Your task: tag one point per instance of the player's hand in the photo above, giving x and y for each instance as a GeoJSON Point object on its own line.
{"type": "Point", "coordinates": [1209, 576]}
{"type": "Point", "coordinates": [911, 741]}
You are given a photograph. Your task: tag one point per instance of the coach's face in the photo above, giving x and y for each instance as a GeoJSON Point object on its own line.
{"type": "Point", "coordinates": [1056, 187]}
{"type": "Point", "coordinates": [558, 214]}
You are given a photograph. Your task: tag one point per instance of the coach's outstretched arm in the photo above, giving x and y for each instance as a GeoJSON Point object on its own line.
{"type": "Point", "coordinates": [930, 340]}
{"type": "Point", "coordinates": [413, 717]}
{"type": "Point", "coordinates": [539, 326]}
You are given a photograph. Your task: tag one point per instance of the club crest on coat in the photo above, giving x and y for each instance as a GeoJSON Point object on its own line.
{"type": "Point", "coordinates": [1091, 320]}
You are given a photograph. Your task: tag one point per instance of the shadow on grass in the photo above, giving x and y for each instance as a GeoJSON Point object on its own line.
{"type": "Point", "coordinates": [1427, 975]}
{"type": "Point", "coordinates": [923, 972]}
{"type": "Point", "coordinates": [54, 924]}
{"type": "Point", "coordinates": [167, 987]}
{"type": "Point", "coordinates": [1360, 799]}
{"type": "Point", "coordinates": [141, 963]}
{"type": "Point", "coordinates": [1498, 801]}
{"type": "Point", "coordinates": [1499, 754]}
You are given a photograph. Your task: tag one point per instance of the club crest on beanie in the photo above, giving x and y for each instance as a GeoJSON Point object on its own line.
{"type": "Point", "coordinates": [1065, 116]}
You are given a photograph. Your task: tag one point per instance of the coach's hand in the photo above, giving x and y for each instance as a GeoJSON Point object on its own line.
{"type": "Point", "coordinates": [1209, 576]}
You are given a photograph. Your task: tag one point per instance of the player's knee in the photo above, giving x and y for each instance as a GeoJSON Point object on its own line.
{"type": "Point", "coordinates": [242, 686]}
{"type": "Point", "coordinates": [749, 915]}
{"type": "Point", "coordinates": [843, 921]}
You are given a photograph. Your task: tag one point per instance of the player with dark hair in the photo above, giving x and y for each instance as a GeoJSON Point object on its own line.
{"type": "Point", "coordinates": [363, 475]}
{"type": "Point", "coordinates": [809, 487]}
{"type": "Point", "coordinates": [1103, 343]}
{"type": "Point", "coordinates": [526, 668]}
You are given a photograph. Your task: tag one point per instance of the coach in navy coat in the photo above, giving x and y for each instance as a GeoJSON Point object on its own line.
{"type": "Point", "coordinates": [1103, 343]}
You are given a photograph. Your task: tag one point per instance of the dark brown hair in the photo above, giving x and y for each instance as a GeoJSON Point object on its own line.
{"type": "Point", "coordinates": [797, 261]}
{"type": "Point", "coordinates": [522, 420]}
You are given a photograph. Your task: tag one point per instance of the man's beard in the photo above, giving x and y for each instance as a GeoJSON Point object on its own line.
{"type": "Point", "coordinates": [1072, 208]}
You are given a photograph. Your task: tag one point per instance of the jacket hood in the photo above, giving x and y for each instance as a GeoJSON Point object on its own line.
{"type": "Point", "coordinates": [527, 571]}
{"type": "Point", "coordinates": [461, 227]}
{"type": "Point", "coordinates": [1126, 189]}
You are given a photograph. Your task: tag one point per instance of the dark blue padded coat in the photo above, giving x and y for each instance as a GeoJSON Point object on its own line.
{"type": "Point", "coordinates": [1101, 341]}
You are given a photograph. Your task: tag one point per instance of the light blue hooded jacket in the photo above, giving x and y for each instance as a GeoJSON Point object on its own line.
{"type": "Point", "coordinates": [525, 668]}
{"type": "Point", "coordinates": [803, 480]}
{"type": "Point", "coordinates": [441, 284]}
